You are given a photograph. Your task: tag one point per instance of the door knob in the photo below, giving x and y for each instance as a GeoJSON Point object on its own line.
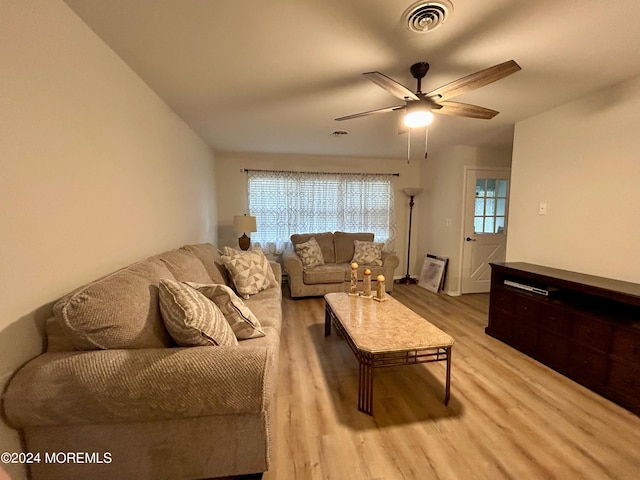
{"type": "Point", "coordinates": [469, 239]}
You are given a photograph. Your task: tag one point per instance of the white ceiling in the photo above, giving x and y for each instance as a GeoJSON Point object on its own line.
{"type": "Point", "coordinates": [271, 75]}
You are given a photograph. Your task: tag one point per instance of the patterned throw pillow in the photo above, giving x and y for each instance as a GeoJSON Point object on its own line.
{"type": "Point", "coordinates": [367, 253]}
{"type": "Point", "coordinates": [191, 318]}
{"type": "Point", "coordinates": [230, 251]}
{"type": "Point", "coordinates": [242, 320]}
{"type": "Point", "coordinates": [250, 271]}
{"type": "Point", "coordinates": [310, 253]}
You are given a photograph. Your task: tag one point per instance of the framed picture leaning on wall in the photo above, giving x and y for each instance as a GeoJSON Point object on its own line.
{"type": "Point", "coordinates": [433, 273]}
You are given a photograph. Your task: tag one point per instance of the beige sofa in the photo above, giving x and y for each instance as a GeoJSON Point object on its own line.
{"type": "Point", "coordinates": [337, 250]}
{"type": "Point", "coordinates": [150, 409]}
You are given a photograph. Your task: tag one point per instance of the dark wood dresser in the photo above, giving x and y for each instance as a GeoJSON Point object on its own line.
{"type": "Point", "coordinates": [585, 327]}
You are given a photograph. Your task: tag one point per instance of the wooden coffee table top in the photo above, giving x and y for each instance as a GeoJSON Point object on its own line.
{"type": "Point", "coordinates": [388, 326]}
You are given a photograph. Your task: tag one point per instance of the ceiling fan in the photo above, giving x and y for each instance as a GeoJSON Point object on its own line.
{"type": "Point", "coordinates": [420, 105]}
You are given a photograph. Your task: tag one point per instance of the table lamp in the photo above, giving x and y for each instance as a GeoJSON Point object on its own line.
{"type": "Point", "coordinates": [243, 224]}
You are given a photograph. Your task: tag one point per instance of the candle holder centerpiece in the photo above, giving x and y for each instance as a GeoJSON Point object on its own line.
{"type": "Point", "coordinates": [367, 283]}
{"type": "Point", "coordinates": [381, 294]}
{"type": "Point", "coordinates": [353, 287]}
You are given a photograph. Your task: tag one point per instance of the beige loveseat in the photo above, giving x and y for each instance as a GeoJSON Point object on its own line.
{"type": "Point", "coordinates": [149, 409]}
{"type": "Point", "coordinates": [337, 251]}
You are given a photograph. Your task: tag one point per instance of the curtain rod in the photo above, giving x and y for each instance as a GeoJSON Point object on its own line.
{"type": "Point", "coordinates": [326, 173]}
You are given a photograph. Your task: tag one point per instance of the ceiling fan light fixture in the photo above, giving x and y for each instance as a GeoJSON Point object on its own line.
{"type": "Point", "coordinates": [419, 106]}
{"type": "Point", "coordinates": [418, 117]}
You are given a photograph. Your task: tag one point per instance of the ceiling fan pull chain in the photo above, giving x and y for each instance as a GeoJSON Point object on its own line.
{"type": "Point", "coordinates": [426, 138]}
{"type": "Point", "coordinates": [409, 146]}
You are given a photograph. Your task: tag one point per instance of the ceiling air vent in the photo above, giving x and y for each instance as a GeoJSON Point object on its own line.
{"type": "Point", "coordinates": [340, 133]}
{"type": "Point", "coordinates": [422, 17]}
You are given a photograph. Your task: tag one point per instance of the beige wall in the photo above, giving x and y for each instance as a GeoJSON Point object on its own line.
{"type": "Point", "coordinates": [583, 160]}
{"type": "Point", "coordinates": [442, 176]}
{"type": "Point", "coordinates": [231, 186]}
{"type": "Point", "coordinates": [96, 171]}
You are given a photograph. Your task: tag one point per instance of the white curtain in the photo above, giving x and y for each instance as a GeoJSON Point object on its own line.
{"type": "Point", "coordinates": [285, 203]}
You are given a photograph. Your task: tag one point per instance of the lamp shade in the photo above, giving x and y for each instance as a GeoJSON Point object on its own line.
{"type": "Point", "coordinates": [244, 223]}
{"type": "Point", "coordinates": [412, 192]}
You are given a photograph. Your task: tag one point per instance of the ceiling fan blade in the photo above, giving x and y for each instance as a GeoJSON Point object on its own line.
{"type": "Point", "coordinates": [466, 110]}
{"type": "Point", "coordinates": [391, 86]}
{"type": "Point", "coordinates": [379, 110]}
{"type": "Point", "coordinates": [475, 80]}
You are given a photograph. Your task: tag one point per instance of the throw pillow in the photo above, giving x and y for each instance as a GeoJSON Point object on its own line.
{"type": "Point", "coordinates": [231, 251]}
{"type": "Point", "coordinates": [250, 271]}
{"type": "Point", "coordinates": [367, 253]}
{"type": "Point", "coordinates": [210, 258]}
{"type": "Point", "coordinates": [191, 318]}
{"type": "Point", "coordinates": [120, 310]}
{"type": "Point", "coordinates": [310, 253]}
{"type": "Point", "coordinates": [241, 319]}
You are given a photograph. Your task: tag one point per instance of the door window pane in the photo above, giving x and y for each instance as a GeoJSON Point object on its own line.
{"type": "Point", "coordinates": [491, 188]}
{"type": "Point", "coordinates": [488, 225]}
{"type": "Point", "coordinates": [502, 188]}
{"type": "Point", "coordinates": [478, 224]}
{"type": "Point", "coordinates": [490, 206]}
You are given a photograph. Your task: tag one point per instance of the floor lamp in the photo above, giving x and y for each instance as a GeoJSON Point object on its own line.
{"type": "Point", "coordinates": [411, 193]}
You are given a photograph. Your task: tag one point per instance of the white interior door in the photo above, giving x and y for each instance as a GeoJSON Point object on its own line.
{"type": "Point", "coordinates": [486, 208]}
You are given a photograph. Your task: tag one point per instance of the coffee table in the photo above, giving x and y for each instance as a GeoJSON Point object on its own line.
{"type": "Point", "coordinates": [385, 334]}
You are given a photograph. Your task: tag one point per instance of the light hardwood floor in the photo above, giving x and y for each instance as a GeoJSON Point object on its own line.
{"type": "Point", "coordinates": [509, 417]}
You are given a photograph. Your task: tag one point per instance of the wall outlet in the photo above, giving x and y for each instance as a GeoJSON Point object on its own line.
{"type": "Point", "coordinates": [542, 209]}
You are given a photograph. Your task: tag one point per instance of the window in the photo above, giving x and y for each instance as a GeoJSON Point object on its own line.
{"type": "Point", "coordinates": [285, 203]}
{"type": "Point", "coordinates": [490, 205]}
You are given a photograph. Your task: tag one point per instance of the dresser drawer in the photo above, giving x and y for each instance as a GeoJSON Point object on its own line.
{"type": "Point", "coordinates": [588, 365]}
{"type": "Point", "coordinates": [556, 319]}
{"type": "Point", "coordinates": [501, 299]}
{"type": "Point", "coordinates": [626, 344]}
{"type": "Point", "coordinates": [527, 308]}
{"type": "Point", "coordinates": [625, 379]}
{"type": "Point", "coordinates": [592, 333]}
{"type": "Point", "coordinates": [524, 333]}
{"type": "Point", "coordinates": [500, 324]}
{"type": "Point", "coordinates": [553, 350]}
